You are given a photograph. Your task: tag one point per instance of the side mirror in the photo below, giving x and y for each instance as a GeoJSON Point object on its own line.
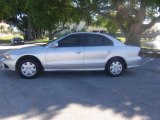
{"type": "Point", "coordinates": [55, 45]}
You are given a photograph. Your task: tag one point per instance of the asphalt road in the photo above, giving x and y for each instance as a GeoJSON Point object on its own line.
{"type": "Point", "coordinates": [82, 95]}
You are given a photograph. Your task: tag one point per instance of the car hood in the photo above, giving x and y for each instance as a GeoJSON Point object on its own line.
{"type": "Point", "coordinates": [27, 50]}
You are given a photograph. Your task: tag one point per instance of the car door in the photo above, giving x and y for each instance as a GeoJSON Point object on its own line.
{"type": "Point", "coordinates": [97, 48]}
{"type": "Point", "coordinates": [68, 55]}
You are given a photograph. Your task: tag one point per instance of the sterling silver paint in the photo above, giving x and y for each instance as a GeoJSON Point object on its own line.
{"type": "Point", "coordinates": [75, 58]}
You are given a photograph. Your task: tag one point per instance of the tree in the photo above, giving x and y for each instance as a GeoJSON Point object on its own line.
{"type": "Point", "coordinates": [11, 8]}
{"type": "Point", "coordinates": [129, 15]}
{"type": "Point", "coordinates": [110, 25]}
{"type": "Point", "coordinates": [52, 15]}
{"type": "Point", "coordinates": [35, 17]}
{"type": "Point", "coordinates": [14, 13]}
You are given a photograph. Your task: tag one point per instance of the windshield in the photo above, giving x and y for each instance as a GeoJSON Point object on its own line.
{"type": "Point", "coordinates": [50, 41]}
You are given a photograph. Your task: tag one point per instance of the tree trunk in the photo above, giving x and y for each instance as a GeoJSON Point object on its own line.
{"type": "Point", "coordinates": [39, 33]}
{"type": "Point", "coordinates": [134, 33]}
{"type": "Point", "coordinates": [133, 39]}
{"type": "Point", "coordinates": [50, 35]}
{"type": "Point", "coordinates": [29, 31]}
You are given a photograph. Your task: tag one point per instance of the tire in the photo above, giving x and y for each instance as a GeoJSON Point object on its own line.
{"type": "Point", "coordinates": [28, 68]}
{"type": "Point", "coordinates": [115, 67]}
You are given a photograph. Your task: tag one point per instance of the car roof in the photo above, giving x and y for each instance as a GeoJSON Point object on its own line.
{"type": "Point", "coordinates": [89, 33]}
{"type": "Point", "coordinates": [17, 38]}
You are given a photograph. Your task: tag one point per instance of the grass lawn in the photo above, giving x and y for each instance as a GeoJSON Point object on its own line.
{"type": "Point", "coordinates": [122, 39]}
{"type": "Point", "coordinates": [45, 40]}
{"type": "Point", "coordinates": [7, 39]}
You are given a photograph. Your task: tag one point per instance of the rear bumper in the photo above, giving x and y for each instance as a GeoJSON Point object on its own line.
{"type": "Point", "coordinates": [133, 62]}
{"type": "Point", "coordinates": [138, 62]}
{"type": "Point", "coordinates": [144, 61]}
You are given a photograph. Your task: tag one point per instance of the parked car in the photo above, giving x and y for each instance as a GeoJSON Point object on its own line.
{"type": "Point", "coordinates": [17, 41]}
{"type": "Point", "coordinates": [77, 51]}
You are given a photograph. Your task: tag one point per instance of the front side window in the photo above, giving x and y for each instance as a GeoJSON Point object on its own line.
{"type": "Point", "coordinates": [71, 41]}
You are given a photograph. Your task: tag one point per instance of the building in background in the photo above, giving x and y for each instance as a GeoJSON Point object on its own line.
{"type": "Point", "coordinates": [80, 27]}
{"type": "Point", "coordinates": [7, 31]}
{"type": "Point", "coordinates": [3, 28]}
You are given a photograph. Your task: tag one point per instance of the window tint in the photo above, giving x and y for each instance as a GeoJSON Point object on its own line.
{"type": "Point", "coordinates": [72, 41]}
{"type": "Point", "coordinates": [98, 40]}
{"type": "Point", "coordinates": [107, 41]}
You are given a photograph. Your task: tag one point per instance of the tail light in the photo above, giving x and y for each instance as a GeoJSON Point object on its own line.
{"type": "Point", "coordinates": [140, 52]}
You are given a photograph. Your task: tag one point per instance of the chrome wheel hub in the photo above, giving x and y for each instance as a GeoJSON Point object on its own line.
{"type": "Point", "coordinates": [28, 69]}
{"type": "Point", "coordinates": [116, 68]}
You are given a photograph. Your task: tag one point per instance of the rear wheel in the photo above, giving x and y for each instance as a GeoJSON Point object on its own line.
{"type": "Point", "coordinates": [115, 67]}
{"type": "Point", "coordinates": [28, 68]}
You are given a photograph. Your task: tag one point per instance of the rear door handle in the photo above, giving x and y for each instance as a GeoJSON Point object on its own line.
{"type": "Point", "coordinates": [78, 52]}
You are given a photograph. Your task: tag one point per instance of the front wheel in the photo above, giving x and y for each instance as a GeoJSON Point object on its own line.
{"type": "Point", "coordinates": [115, 67]}
{"type": "Point", "coordinates": [28, 68]}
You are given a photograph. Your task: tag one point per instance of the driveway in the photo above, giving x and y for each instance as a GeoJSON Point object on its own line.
{"type": "Point", "coordinates": [82, 95]}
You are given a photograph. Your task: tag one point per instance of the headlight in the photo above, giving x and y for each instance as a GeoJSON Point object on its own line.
{"type": "Point", "coordinates": [7, 56]}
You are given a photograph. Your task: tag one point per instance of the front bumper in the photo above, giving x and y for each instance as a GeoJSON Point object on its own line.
{"type": "Point", "coordinates": [7, 64]}
{"type": "Point", "coordinates": [1, 66]}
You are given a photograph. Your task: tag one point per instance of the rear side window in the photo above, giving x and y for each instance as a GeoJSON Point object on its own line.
{"type": "Point", "coordinates": [72, 41]}
{"type": "Point", "coordinates": [107, 41]}
{"type": "Point", "coordinates": [98, 40]}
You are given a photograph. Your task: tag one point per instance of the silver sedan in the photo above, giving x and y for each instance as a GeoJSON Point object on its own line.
{"type": "Point", "coordinates": [74, 52]}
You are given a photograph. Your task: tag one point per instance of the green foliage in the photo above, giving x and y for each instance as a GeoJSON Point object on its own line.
{"type": "Point", "coordinates": [50, 14]}
{"type": "Point", "coordinates": [129, 15]}
{"type": "Point", "coordinates": [110, 25]}
{"type": "Point", "coordinates": [47, 15]}
{"type": "Point", "coordinates": [10, 8]}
